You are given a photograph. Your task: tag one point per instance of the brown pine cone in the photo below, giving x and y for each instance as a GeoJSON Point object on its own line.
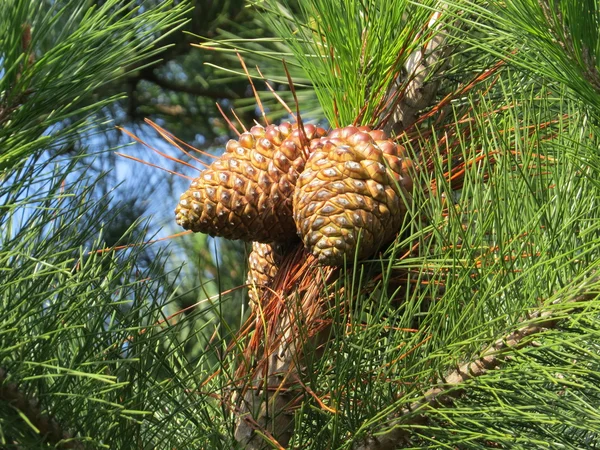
{"type": "Point", "coordinates": [355, 182]}
{"type": "Point", "coordinates": [247, 193]}
{"type": "Point", "coordinates": [263, 264]}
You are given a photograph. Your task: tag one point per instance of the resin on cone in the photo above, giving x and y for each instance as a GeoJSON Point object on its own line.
{"type": "Point", "coordinates": [263, 264]}
{"type": "Point", "coordinates": [247, 193]}
{"type": "Point", "coordinates": [355, 183]}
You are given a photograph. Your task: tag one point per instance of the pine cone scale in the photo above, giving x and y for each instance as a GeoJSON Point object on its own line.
{"type": "Point", "coordinates": [350, 199]}
{"type": "Point", "coordinates": [347, 199]}
{"type": "Point", "coordinates": [247, 193]}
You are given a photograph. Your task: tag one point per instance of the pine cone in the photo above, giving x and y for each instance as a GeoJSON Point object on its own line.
{"type": "Point", "coordinates": [247, 193]}
{"type": "Point", "coordinates": [263, 264]}
{"type": "Point", "coordinates": [355, 182]}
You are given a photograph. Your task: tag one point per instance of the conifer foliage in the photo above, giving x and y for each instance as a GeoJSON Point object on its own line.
{"type": "Point", "coordinates": [472, 319]}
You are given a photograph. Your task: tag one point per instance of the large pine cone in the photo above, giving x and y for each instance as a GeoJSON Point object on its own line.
{"type": "Point", "coordinates": [355, 182]}
{"type": "Point", "coordinates": [247, 193]}
{"type": "Point", "coordinates": [263, 265]}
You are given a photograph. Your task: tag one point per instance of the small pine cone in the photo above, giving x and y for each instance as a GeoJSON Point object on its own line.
{"type": "Point", "coordinates": [263, 264]}
{"type": "Point", "coordinates": [355, 181]}
{"type": "Point", "coordinates": [247, 193]}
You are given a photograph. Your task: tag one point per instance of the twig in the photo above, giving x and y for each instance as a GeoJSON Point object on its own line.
{"type": "Point", "coordinates": [11, 100]}
{"type": "Point", "coordinates": [493, 356]}
{"type": "Point", "coordinates": [188, 88]}
{"type": "Point", "coordinates": [48, 428]}
{"type": "Point", "coordinates": [420, 89]}
{"type": "Point", "coordinates": [271, 388]}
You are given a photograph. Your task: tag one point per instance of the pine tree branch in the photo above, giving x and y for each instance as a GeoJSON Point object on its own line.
{"type": "Point", "coordinates": [11, 101]}
{"type": "Point", "coordinates": [563, 37]}
{"type": "Point", "coordinates": [6, 108]}
{"type": "Point", "coordinates": [265, 416]}
{"type": "Point", "coordinates": [449, 388]}
{"type": "Point", "coordinates": [203, 19]}
{"type": "Point", "coordinates": [188, 88]}
{"type": "Point", "coordinates": [170, 110]}
{"type": "Point", "coordinates": [51, 431]}
{"type": "Point", "coordinates": [421, 88]}
{"type": "Point", "coordinates": [264, 404]}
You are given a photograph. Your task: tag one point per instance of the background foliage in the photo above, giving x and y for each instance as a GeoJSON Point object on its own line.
{"type": "Point", "coordinates": [107, 341]}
